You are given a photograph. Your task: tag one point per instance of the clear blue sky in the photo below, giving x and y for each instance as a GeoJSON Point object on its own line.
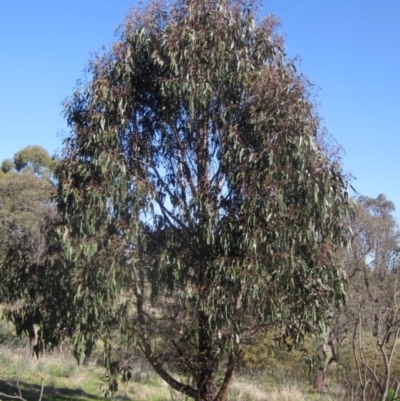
{"type": "Point", "coordinates": [349, 48]}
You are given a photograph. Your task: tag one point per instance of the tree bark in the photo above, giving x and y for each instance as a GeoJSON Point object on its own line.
{"type": "Point", "coordinates": [223, 391]}
{"type": "Point", "coordinates": [205, 386]}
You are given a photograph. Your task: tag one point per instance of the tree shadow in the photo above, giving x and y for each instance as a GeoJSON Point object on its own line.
{"type": "Point", "coordinates": [31, 392]}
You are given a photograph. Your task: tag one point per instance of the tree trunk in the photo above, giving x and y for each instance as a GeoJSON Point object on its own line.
{"type": "Point", "coordinates": [205, 386]}
{"type": "Point", "coordinates": [33, 339]}
{"type": "Point", "coordinates": [319, 380]}
{"type": "Point", "coordinates": [223, 391]}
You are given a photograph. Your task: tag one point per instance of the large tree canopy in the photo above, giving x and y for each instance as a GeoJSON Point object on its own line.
{"type": "Point", "coordinates": [197, 204]}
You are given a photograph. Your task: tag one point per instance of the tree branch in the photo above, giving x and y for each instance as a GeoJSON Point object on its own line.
{"type": "Point", "coordinates": [147, 350]}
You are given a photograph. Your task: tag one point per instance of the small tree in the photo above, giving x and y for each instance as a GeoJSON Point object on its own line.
{"type": "Point", "coordinates": [198, 206]}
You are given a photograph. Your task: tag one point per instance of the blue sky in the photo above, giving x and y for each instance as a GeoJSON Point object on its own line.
{"type": "Point", "coordinates": [348, 48]}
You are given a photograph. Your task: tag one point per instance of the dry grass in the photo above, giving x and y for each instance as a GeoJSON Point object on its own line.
{"type": "Point", "coordinates": [245, 391]}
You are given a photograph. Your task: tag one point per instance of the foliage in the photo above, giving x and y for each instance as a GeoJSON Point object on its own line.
{"type": "Point", "coordinates": [34, 158]}
{"type": "Point", "coordinates": [25, 205]}
{"type": "Point", "coordinates": [267, 357]}
{"type": "Point", "coordinates": [7, 165]}
{"type": "Point", "coordinates": [194, 191]}
{"type": "Point", "coordinates": [6, 334]}
{"type": "Point", "coordinates": [24, 197]}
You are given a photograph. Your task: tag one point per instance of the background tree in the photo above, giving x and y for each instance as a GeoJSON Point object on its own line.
{"type": "Point", "coordinates": [363, 335]}
{"type": "Point", "coordinates": [25, 204]}
{"type": "Point", "coordinates": [197, 205]}
{"type": "Point", "coordinates": [24, 194]}
{"type": "Point", "coordinates": [34, 158]}
{"type": "Point", "coordinates": [374, 301]}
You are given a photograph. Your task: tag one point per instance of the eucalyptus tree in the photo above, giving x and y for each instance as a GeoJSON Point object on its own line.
{"type": "Point", "coordinates": [25, 204]}
{"type": "Point", "coordinates": [198, 204]}
{"type": "Point", "coordinates": [25, 191]}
